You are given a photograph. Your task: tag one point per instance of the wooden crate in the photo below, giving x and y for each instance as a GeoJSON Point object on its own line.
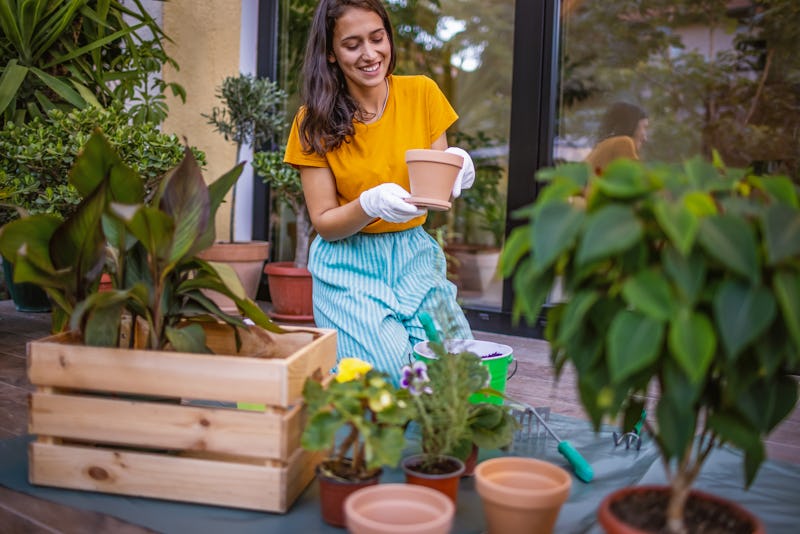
{"type": "Point", "coordinates": [151, 423]}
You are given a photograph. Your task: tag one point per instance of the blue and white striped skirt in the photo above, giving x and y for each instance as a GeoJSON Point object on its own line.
{"type": "Point", "coordinates": [370, 288]}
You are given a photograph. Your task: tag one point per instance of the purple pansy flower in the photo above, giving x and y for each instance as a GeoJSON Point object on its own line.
{"type": "Point", "coordinates": [414, 377]}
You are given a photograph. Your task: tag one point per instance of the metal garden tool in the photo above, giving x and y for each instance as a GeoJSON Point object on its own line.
{"type": "Point", "coordinates": [583, 470]}
{"type": "Point", "coordinates": [634, 437]}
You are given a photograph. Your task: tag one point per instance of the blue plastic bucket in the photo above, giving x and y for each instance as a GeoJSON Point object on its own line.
{"type": "Point", "coordinates": [495, 356]}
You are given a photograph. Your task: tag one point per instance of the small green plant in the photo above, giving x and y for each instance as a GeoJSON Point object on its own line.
{"type": "Point", "coordinates": [36, 157]}
{"type": "Point", "coordinates": [372, 412]}
{"type": "Point", "coordinates": [440, 389]}
{"type": "Point", "coordinates": [680, 277]}
{"type": "Point", "coordinates": [150, 249]}
{"type": "Point", "coordinates": [285, 186]}
{"type": "Point", "coordinates": [253, 111]}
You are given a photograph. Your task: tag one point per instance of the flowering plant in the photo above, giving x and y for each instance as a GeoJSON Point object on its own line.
{"type": "Point", "coordinates": [449, 423]}
{"type": "Point", "coordinates": [373, 412]}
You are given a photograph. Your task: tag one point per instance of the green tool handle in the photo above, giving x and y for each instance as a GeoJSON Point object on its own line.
{"type": "Point", "coordinates": [582, 468]}
{"type": "Point", "coordinates": [430, 328]}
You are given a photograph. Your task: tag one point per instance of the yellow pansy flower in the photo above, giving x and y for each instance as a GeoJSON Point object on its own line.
{"type": "Point", "coordinates": [351, 368]}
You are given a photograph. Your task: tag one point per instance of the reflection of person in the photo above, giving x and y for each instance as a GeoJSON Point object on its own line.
{"type": "Point", "coordinates": [622, 134]}
{"type": "Point", "coordinates": [374, 267]}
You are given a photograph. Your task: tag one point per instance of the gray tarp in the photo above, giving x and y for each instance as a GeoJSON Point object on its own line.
{"type": "Point", "coordinates": [774, 497]}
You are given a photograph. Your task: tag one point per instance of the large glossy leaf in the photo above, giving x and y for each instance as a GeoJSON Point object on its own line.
{"type": "Point", "coordinates": [216, 194]}
{"type": "Point", "coordinates": [609, 231]}
{"type": "Point", "coordinates": [554, 231]}
{"type": "Point", "coordinates": [676, 425]}
{"type": "Point", "coordinates": [531, 290]}
{"type": "Point", "coordinates": [692, 343]}
{"type": "Point", "coordinates": [688, 274]}
{"type": "Point", "coordinates": [574, 314]}
{"type": "Point", "coordinates": [61, 88]}
{"type": "Point", "coordinates": [782, 233]}
{"type": "Point", "coordinates": [787, 290]}
{"type": "Point", "coordinates": [649, 293]}
{"type": "Point", "coordinates": [731, 241]}
{"type": "Point", "coordinates": [633, 342]}
{"type": "Point", "coordinates": [190, 338]}
{"type": "Point", "coordinates": [93, 165]}
{"type": "Point", "coordinates": [678, 222]}
{"type": "Point", "coordinates": [742, 313]}
{"type": "Point", "coordinates": [10, 82]}
{"type": "Point", "coordinates": [152, 227]}
{"type": "Point", "coordinates": [780, 188]}
{"type": "Point", "coordinates": [624, 179]}
{"type": "Point", "coordinates": [516, 247]}
{"type": "Point", "coordinates": [35, 232]}
{"type": "Point", "coordinates": [185, 198]}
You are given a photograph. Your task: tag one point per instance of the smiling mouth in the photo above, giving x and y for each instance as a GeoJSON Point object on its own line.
{"type": "Point", "coordinates": [371, 68]}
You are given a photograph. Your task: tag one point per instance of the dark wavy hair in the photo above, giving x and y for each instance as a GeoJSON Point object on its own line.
{"type": "Point", "coordinates": [329, 108]}
{"type": "Point", "coordinates": [621, 118]}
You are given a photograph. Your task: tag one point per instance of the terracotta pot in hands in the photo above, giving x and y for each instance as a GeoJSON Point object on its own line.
{"type": "Point", "coordinates": [432, 174]}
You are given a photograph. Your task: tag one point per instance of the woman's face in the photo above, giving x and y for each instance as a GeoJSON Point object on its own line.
{"type": "Point", "coordinates": [640, 134]}
{"type": "Point", "coordinates": [362, 49]}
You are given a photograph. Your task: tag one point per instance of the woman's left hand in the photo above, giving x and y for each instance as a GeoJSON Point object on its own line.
{"type": "Point", "coordinates": [466, 176]}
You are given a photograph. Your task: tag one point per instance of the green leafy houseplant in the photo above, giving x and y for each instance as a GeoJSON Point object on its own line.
{"type": "Point", "coordinates": [685, 278]}
{"type": "Point", "coordinates": [36, 157]}
{"type": "Point", "coordinates": [373, 411]}
{"type": "Point", "coordinates": [449, 423]}
{"type": "Point", "coordinates": [285, 186]}
{"type": "Point", "coordinates": [253, 111]}
{"type": "Point", "coordinates": [78, 53]}
{"type": "Point", "coordinates": [151, 249]}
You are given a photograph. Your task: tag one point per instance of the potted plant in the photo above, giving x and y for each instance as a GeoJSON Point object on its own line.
{"type": "Point", "coordinates": [64, 54]}
{"type": "Point", "coordinates": [290, 281]}
{"type": "Point", "coordinates": [252, 112]}
{"type": "Point", "coordinates": [685, 278]}
{"type": "Point", "coordinates": [359, 418]}
{"type": "Point", "coordinates": [151, 360]}
{"type": "Point", "coordinates": [473, 230]}
{"type": "Point", "coordinates": [449, 423]}
{"type": "Point", "coordinates": [36, 157]}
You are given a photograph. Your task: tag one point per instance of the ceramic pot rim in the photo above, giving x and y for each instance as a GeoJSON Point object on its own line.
{"type": "Point", "coordinates": [443, 503]}
{"type": "Point", "coordinates": [515, 496]}
{"type": "Point", "coordinates": [439, 156]}
{"type": "Point", "coordinates": [422, 474]}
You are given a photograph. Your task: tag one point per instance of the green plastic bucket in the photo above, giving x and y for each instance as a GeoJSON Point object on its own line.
{"type": "Point", "coordinates": [495, 356]}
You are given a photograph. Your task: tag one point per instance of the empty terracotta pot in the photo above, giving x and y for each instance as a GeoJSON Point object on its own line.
{"type": "Point", "coordinates": [431, 174]}
{"type": "Point", "coordinates": [521, 495]}
{"type": "Point", "coordinates": [400, 508]}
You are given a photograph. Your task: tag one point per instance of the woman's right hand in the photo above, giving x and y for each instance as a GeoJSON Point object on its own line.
{"type": "Point", "coordinates": [387, 201]}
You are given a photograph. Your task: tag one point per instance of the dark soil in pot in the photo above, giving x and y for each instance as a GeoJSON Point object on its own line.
{"type": "Point", "coordinates": [646, 510]}
{"type": "Point", "coordinates": [442, 466]}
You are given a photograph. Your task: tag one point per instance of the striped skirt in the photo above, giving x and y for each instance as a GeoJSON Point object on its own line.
{"type": "Point", "coordinates": [371, 288]}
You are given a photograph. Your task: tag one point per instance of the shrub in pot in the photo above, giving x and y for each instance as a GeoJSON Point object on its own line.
{"type": "Point", "coordinates": [359, 418]}
{"type": "Point", "coordinates": [152, 249]}
{"type": "Point", "coordinates": [680, 277]}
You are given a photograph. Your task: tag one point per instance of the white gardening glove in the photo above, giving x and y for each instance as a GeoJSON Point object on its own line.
{"type": "Point", "coordinates": [466, 176]}
{"type": "Point", "coordinates": [387, 202]}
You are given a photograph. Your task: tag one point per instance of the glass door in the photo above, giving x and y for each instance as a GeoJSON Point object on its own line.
{"type": "Point", "coordinates": [466, 46]}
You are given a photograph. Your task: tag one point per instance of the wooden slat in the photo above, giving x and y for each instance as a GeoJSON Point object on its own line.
{"type": "Point", "coordinates": [273, 434]}
{"type": "Point", "coordinates": [275, 382]}
{"type": "Point", "coordinates": [240, 485]}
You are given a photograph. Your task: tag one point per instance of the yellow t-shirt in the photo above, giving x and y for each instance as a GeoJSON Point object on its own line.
{"type": "Point", "coordinates": [416, 114]}
{"type": "Point", "coordinates": [607, 150]}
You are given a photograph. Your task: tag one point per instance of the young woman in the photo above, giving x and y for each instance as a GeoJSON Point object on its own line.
{"type": "Point", "coordinates": [374, 267]}
{"type": "Point", "coordinates": [621, 135]}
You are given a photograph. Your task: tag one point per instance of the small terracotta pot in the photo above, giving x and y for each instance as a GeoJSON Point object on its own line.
{"type": "Point", "coordinates": [613, 525]}
{"type": "Point", "coordinates": [431, 175]}
{"type": "Point", "coordinates": [290, 290]}
{"type": "Point", "coordinates": [106, 284]}
{"type": "Point", "coordinates": [247, 259]}
{"type": "Point", "coordinates": [398, 508]}
{"type": "Point", "coordinates": [333, 493]}
{"type": "Point", "coordinates": [446, 483]}
{"type": "Point", "coordinates": [521, 495]}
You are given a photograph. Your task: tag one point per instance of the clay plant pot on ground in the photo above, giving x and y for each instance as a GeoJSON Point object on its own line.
{"type": "Point", "coordinates": [247, 259]}
{"type": "Point", "coordinates": [333, 492]}
{"type": "Point", "coordinates": [290, 292]}
{"type": "Point", "coordinates": [431, 175]}
{"type": "Point", "coordinates": [642, 509]}
{"type": "Point", "coordinates": [521, 495]}
{"type": "Point", "coordinates": [398, 508]}
{"type": "Point", "coordinates": [444, 477]}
